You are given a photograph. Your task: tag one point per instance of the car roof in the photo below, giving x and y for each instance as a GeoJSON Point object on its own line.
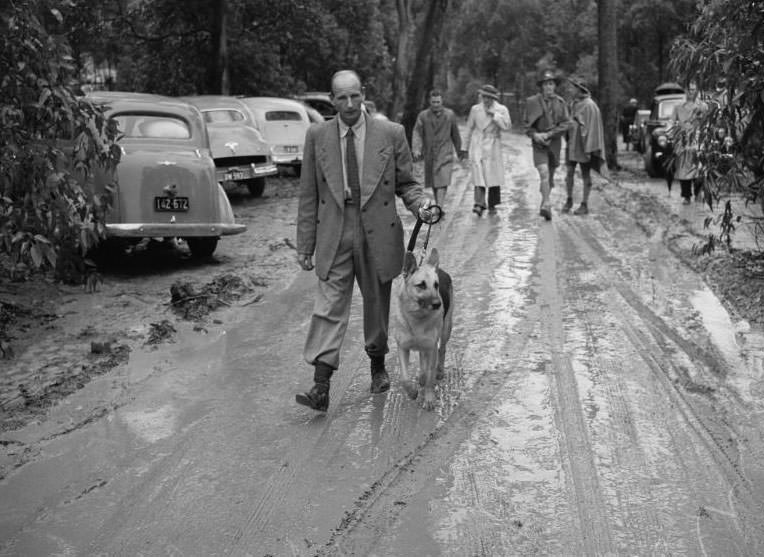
{"type": "Point", "coordinates": [669, 88]}
{"type": "Point", "coordinates": [206, 102]}
{"type": "Point", "coordinates": [323, 95]}
{"type": "Point", "coordinates": [274, 102]}
{"type": "Point", "coordinates": [124, 100]}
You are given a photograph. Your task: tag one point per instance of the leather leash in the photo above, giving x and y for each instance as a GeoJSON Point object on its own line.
{"type": "Point", "coordinates": [437, 213]}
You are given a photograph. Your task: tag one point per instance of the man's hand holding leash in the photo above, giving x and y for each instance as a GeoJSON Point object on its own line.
{"type": "Point", "coordinates": [424, 213]}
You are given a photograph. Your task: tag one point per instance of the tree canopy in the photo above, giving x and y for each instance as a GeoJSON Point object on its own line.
{"type": "Point", "coordinates": [401, 49]}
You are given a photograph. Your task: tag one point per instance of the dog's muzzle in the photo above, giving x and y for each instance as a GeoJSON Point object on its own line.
{"type": "Point", "coordinates": [430, 304]}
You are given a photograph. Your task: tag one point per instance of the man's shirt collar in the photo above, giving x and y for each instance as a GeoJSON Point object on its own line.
{"type": "Point", "coordinates": [358, 128]}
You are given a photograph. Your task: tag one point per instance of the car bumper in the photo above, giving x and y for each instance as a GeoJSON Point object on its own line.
{"type": "Point", "coordinates": [156, 230]}
{"type": "Point", "coordinates": [287, 159]}
{"type": "Point", "coordinates": [245, 172]}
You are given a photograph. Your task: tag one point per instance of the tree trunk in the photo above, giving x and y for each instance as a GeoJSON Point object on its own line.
{"type": "Point", "coordinates": [400, 70]}
{"type": "Point", "coordinates": [608, 77]}
{"type": "Point", "coordinates": [218, 78]}
{"type": "Point", "coordinates": [415, 92]}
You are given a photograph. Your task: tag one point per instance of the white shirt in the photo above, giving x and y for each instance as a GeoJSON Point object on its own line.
{"type": "Point", "coordinates": [359, 129]}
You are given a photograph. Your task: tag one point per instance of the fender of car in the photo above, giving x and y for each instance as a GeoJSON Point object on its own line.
{"type": "Point", "coordinates": [166, 178]}
{"type": "Point", "coordinates": [241, 154]}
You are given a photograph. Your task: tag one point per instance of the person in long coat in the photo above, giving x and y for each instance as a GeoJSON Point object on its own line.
{"type": "Point", "coordinates": [353, 168]}
{"type": "Point", "coordinates": [682, 129]}
{"type": "Point", "coordinates": [546, 121]}
{"type": "Point", "coordinates": [585, 144]}
{"type": "Point", "coordinates": [485, 123]}
{"type": "Point", "coordinates": [435, 139]}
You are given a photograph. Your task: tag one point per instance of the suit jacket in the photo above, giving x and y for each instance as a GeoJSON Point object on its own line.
{"type": "Point", "coordinates": [387, 172]}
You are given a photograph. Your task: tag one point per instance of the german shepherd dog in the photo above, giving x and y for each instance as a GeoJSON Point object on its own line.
{"type": "Point", "coordinates": [422, 318]}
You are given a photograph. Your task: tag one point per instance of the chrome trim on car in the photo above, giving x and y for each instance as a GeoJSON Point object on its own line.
{"type": "Point", "coordinates": [155, 230]}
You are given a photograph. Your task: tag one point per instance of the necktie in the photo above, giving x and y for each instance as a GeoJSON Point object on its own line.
{"type": "Point", "coordinates": [351, 168]}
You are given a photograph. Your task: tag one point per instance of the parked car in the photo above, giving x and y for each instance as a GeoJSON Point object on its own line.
{"type": "Point", "coordinates": [315, 116]}
{"type": "Point", "coordinates": [241, 154]}
{"type": "Point", "coordinates": [166, 185]}
{"type": "Point", "coordinates": [656, 144]}
{"type": "Point", "coordinates": [283, 123]}
{"type": "Point", "coordinates": [321, 101]}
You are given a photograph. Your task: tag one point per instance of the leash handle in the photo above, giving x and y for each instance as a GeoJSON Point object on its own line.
{"type": "Point", "coordinates": [436, 213]}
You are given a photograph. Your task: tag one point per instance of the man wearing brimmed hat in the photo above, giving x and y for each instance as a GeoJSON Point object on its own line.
{"type": "Point", "coordinates": [546, 121]}
{"type": "Point", "coordinates": [485, 123]}
{"type": "Point", "coordinates": [585, 143]}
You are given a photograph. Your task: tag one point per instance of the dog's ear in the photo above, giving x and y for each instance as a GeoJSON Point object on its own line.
{"type": "Point", "coordinates": [409, 264]}
{"type": "Point", "coordinates": [434, 258]}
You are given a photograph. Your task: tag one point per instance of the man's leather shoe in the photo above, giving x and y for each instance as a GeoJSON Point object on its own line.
{"type": "Point", "coordinates": [546, 213]}
{"type": "Point", "coordinates": [380, 382]}
{"type": "Point", "coordinates": [317, 398]}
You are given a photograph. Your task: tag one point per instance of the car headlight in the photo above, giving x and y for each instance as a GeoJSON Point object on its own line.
{"type": "Point", "coordinates": [662, 141]}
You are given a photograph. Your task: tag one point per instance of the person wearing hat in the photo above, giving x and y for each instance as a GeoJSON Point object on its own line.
{"type": "Point", "coordinates": [486, 121]}
{"type": "Point", "coordinates": [628, 114]}
{"type": "Point", "coordinates": [546, 121]}
{"type": "Point", "coordinates": [585, 143]}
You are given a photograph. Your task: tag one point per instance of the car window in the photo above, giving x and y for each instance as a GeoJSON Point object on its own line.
{"type": "Point", "coordinates": [666, 108]}
{"type": "Point", "coordinates": [279, 115]}
{"type": "Point", "coordinates": [152, 126]}
{"type": "Point", "coordinates": [223, 116]}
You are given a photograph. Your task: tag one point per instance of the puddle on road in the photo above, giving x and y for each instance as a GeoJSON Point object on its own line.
{"type": "Point", "coordinates": [151, 425]}
{"type": "Point", "coordinates": [741, 346]}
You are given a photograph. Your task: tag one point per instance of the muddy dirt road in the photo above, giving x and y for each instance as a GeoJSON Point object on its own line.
{"type": "Point", "coordinates": [598, 400]}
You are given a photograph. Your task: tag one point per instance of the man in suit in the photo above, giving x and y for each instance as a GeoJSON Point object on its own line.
{"type": "Point", "coordinates": [546, 121]}
{"type": "Point", "coordinates": [353, 167]}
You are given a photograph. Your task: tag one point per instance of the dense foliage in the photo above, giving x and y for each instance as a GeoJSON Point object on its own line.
{"type": "Point", "coordinates": [725, 47]}
{"type": "Point", "coordinates": [50, 141]}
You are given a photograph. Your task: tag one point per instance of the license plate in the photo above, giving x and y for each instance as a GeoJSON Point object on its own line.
{"type": "Point", "coordinates": [171, 204]}
{"type": "Point", "coordinates": [291, 148]}
{"type": "Point", "coordinates": [235, 175]}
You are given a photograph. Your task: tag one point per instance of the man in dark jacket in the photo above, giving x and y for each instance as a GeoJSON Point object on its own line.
{"type": "Point", "coordinates": [546, 121]}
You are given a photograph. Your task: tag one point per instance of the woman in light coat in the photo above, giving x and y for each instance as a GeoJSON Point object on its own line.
{"type": "Point", "coordinates": [485, 123]}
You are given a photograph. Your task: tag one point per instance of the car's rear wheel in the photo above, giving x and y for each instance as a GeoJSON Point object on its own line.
{"type": "Point", "coordinates": [256, 186]}
{"type": "Point", "coordinates": [202, 247]}
{"type": "Point", "coordinates": [650, 163]}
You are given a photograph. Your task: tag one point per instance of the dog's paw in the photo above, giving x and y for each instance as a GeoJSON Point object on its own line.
{"type": "Point", "coordinates": [411, 389]}
{"type": "Point", "coordinates": [439, 373]}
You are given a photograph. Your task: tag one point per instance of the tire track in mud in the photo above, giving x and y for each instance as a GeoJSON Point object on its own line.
{"type": "Point", "coordinates": [596, 537]}
{"type": "Point", "coordinates": [653, 345]}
